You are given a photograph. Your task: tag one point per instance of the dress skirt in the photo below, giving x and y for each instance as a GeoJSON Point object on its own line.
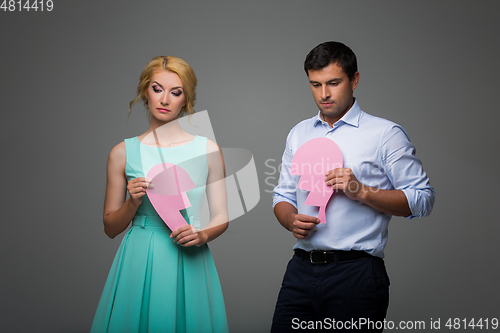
{"type": "Point", "coordinates": [155, 285]}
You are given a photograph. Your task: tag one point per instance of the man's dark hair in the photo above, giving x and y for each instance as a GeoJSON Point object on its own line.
{"type": "Point", "coordinates": [332, 52]}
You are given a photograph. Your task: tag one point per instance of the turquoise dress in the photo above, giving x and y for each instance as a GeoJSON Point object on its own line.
{"type": "Point", "coordinates": [154, 284]}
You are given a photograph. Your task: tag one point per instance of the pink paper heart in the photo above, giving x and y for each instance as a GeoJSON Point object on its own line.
{"type": "Point", "coordinates": [168, 195]}
{"type": "Point", "coordinates": [311, 162]}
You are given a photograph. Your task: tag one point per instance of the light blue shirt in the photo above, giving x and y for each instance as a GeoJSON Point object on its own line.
{"type": "Point", "coordinates": [381, 156]}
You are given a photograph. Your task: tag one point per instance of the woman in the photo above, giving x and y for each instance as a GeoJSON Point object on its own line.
{"type": "Point", "coordinates": [163, 281]}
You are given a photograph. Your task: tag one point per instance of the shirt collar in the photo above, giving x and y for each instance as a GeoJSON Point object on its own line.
{"type": "Point", "coordinates": [351, 117]}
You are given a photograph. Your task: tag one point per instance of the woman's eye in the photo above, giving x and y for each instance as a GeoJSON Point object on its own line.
{"type": "Point", "coordinates": [176, 93]}
{"type": "Point", "coordinates": [156, 89]}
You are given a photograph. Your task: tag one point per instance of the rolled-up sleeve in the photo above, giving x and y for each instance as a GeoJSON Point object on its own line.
{"type": "Point", "coordinates": [405, 171]}
{"type": "Point", "coordinates": [286, 190]}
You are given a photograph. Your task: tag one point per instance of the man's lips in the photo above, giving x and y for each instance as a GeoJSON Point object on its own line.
{"type": "Point", "coordinates": [326, 104]}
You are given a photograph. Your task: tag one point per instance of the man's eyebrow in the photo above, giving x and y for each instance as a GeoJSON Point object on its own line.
{"type": "Point", "coordinates": [329, 81]}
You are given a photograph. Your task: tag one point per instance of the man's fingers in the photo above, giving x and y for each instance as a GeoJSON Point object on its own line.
{"type": "Point", "coordinates": [304, 226]}
{"type": "Point", "coordinates": [301, 231]}
{"type": "Point", "coordinates": [299, 236]}
{"type": "Point", "coordinates": [306, 218]}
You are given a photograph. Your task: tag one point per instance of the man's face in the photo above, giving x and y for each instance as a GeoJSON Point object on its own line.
{"type": "Point", "coordinates": [332, 91]}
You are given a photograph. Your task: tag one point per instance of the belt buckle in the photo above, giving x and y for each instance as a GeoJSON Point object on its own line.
{"type": "Point", "coordinates": [317, 262]}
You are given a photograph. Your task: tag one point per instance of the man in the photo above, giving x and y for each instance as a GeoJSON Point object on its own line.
{"type": "Point", "coordinates": [337, 278]}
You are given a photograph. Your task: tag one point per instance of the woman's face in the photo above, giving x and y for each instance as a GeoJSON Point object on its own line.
{"type": "Point", "coordinates": [165, 96]}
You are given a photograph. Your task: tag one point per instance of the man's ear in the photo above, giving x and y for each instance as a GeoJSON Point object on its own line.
{"type": "Point", "coordinates": [355, 80]}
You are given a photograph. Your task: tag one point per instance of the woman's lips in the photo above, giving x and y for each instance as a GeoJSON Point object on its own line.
{"type": "Point", "coordinates": [163, 110]}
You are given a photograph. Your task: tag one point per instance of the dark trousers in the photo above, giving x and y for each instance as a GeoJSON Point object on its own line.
{"type": "Point", "coordinates": [342, 296]}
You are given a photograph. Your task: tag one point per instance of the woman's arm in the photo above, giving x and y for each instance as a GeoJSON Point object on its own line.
{"type": "Point", "coordinates": [217, 203]}
{"type": "Point", "coordinates": [117, 212]}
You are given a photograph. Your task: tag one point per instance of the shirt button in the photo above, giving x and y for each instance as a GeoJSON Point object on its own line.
{"type": "Point", "coordinates": [315, 229]}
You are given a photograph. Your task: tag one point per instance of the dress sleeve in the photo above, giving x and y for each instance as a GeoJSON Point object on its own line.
{"type": "Point", "coordinates": [286, 190]}
{"type": "Point", "coordinates": [405, 171]}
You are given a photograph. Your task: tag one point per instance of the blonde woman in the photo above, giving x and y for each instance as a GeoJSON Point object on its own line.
{"type": "Point", "coordinates": [163, 280]}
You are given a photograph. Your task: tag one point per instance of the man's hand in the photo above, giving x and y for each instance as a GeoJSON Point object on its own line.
{"type": "Point", "coordinates": [303, 224]}
{"type": "Point", "coordinates": [344, 179]}
{"type": "Point", "coordinates": [299, 224]}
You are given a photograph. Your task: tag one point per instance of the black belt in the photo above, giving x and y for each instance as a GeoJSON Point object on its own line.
{"type": "Point", "coordinates": [326, 257]}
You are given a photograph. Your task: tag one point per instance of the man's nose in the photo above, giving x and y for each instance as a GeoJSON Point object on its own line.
{"type": "Point", "coordinates": [325, 93]}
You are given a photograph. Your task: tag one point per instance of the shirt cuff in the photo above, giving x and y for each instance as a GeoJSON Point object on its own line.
{"type": "Point", "coordinates": [420, 201]}
{"type": "Point", "coordinates": [279, 198]}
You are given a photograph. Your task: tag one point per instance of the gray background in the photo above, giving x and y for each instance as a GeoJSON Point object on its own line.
{"type": "Point", "coordinates": [67, 77]}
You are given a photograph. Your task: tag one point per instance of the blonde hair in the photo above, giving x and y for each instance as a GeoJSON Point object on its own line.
{"type": "Point", "coordinates": [174, 65]}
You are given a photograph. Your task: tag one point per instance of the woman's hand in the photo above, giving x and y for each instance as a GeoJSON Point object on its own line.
{"type": "Point", "coordinates": [137, 189]}
{"type": "Point", "coordinates": [188, 235]}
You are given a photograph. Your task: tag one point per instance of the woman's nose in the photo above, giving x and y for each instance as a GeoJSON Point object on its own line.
{"type": "Point", "coordinates": [164, 99]}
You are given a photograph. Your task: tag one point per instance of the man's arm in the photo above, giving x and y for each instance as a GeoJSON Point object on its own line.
{"type": "Point", "coordinates": [412, 195]}
{"type": "Point", "coordinates": [299, 224]}
{"type": "Point", "coordinates": [285, 199]}
{"type": "Point", "coordinates": [391, 202]}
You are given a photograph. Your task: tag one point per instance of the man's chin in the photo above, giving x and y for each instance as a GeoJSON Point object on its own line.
{"type": "Point", "coordinates": [328, 112]}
